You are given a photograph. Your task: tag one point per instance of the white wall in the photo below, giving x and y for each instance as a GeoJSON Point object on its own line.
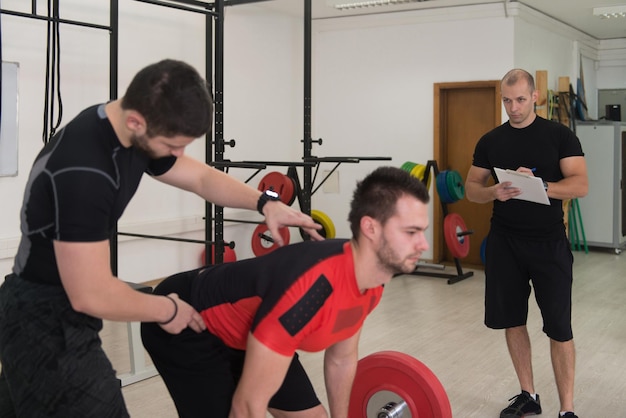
{"type": "Point", "coordinates": [147, 34]}
{"type": "Point", "coordinates": [372, 96]}
{"type": "Point", "coordinates": [612, 64]}
{"type": "Point", "coordinates": [84, 81]}
{"type": "Point", "coordinates": [374, 81]}
{"type": "Point", "coordinates": [559, 49]}
{"type": "Point", "coordinates": [262, 112]}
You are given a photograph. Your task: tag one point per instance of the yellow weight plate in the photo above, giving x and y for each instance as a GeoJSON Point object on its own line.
{"type": "Point", "coordinates": [328, 226]}
{"type": "Point", "coordinates": [418, 171]}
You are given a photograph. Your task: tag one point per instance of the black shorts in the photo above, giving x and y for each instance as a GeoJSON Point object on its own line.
{"type": "Point", "coordinates": [201, 373]}
{"type": "Point", "coordinates": [53, 364]}
{"type": "Point", "coordinates": [511, 266]}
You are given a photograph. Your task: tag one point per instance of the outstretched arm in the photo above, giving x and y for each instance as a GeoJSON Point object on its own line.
{"type": "Point", "coordinates": [263, 373]}
{"type": "Point", "coordinates": [219, 188]}
{"type": "Point", "coordinates": [340, 363]}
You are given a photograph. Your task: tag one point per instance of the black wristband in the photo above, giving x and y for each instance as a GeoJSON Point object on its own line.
{"type": "Point", "coordinates": [266, 196]}
{"type": "Point", "coordinates": [175, 311]}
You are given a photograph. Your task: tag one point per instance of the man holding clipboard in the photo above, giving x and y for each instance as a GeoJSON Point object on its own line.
{"type": "Point", "coordinates": [527, 243]}
{"type": "Point", "coordinates": [533, 189]}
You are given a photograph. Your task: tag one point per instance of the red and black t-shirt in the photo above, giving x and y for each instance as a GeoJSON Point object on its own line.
{"type": "Point", "coordinates": [302, 296]}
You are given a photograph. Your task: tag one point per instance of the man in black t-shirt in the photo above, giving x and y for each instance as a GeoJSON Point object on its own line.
{"type": "Point", "coordinates": [61, 287]}
{"type": "Point", "coordinates": [527, 242]}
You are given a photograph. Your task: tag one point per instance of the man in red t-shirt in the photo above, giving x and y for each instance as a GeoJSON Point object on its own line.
{"type": "Point", "coordinates": [309, 296]}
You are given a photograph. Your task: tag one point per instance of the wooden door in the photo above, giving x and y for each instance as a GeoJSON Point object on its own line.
{"type": "Point", "coordinates": [463, 112]}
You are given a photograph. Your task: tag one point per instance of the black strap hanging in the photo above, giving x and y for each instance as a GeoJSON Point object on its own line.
{"type": "Point", "coordinates": [0, 68]}
{"type": "Point", "coordinates": [53, 73]}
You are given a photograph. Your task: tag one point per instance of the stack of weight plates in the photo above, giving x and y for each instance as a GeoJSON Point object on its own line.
{"type": "Point", "coordinates": [416, 170]}
{"type": "Point", "coordinates": [450, 186]}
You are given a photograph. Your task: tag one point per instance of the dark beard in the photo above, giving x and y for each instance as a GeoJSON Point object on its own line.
{"type": "Point", "coordinates": [388, 261]}
{"type": "Point", "coordinates": [140, 143]}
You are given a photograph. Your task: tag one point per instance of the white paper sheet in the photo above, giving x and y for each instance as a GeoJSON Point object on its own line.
{"type": "Point", "coordinates": [531, 186]}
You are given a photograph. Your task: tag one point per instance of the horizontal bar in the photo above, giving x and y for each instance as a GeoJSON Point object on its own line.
{"type": "Point", "coordinates": [242, 221]}
{"type": "Point", "coordinates": [198, 3]}
{"type": "Point", "coordinates": [54, 19]}
{"type": "Point", "coordinates": [178, 7]}
{"type": "Point", "coordinates": [284, 163]}
{"type": "Point", "coordinates": [237, 164]}
{"type": "Point", "coordinates": [364, 158]}
{"type": "Point", "coordinates": [332, 159]}
{"type": "Point", "coordinates": [238, 2]}
{"type": "Point", "coordinates": [195, 241]}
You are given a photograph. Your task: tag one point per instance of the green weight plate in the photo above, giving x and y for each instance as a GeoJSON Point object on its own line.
{"type": "Point", "coordinates": [408, 166]}
{"type": "Point", "coordinates": [454, 182]}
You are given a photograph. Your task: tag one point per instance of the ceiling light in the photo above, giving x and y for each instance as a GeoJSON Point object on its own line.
{"type": "Point", "coordinates": [610, 12]}
{"type": "Point", "coordinates": [345, 5]}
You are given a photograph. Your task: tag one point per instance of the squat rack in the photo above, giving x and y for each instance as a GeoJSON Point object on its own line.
{"type": "Point", "coordinates": [214, 69]}
{"type": "Point", "coordinates": [304, 192]}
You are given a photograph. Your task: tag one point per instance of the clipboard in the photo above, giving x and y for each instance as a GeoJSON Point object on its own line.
{"type": "Point", "coordinates": [531, 186]}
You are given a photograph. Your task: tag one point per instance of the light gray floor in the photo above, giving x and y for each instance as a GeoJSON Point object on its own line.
{"type": "Point", "coordinates": [442, 326]}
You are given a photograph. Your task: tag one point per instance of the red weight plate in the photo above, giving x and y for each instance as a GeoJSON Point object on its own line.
{"type": "Point", "coordinates": [403, 375]}
{"type": "Point", "coordinates": [260, 245]}
{"type": "Point", "coordinates": [281, 184]}
{"type": "Point", "coordinates": [229, 255]}
{"type": "Point", "coordinates": [459, 245]}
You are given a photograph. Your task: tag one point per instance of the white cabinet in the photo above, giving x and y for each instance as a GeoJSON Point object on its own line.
{"type": "Point", "coordinates": [602, 210]}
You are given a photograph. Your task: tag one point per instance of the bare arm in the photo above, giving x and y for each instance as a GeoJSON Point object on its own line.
{"type": "Point", "coordinates": [477, 191]}
{"type": "Point", "coordinates": [574, 183]}
{"type": "Point", "coordinates": [340, 363]}
{"type": "Point", "coordinates": [221, 189]}
{"type": "Point", "coordinates": [92, 289]}
{"type": "Point", "coordinates": [263, 373]}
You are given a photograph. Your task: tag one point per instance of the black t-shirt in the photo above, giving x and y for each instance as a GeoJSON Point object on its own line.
{"type": "Point", "coordinates": [78, 188]}
{"type": "Point", "coordinates": [541, 145]}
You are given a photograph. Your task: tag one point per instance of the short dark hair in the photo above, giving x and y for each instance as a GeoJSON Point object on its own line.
{"type": "Point", "coordinates": [173, 98]}
{"type": "Point", "coordinates": [517, 74]}
{"type": "Point", "coordinates": [376, 195]}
